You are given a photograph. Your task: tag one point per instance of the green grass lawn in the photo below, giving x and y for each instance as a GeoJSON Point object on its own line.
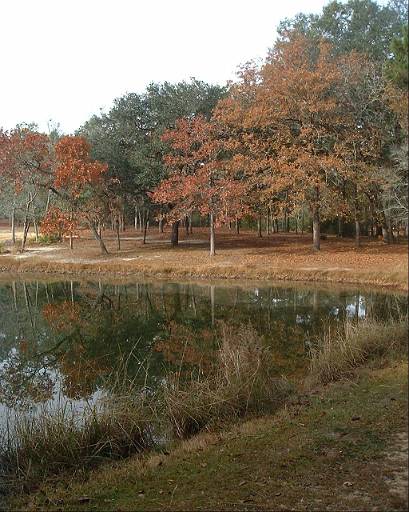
{"type": "Point", "coordinates": [335, 448]}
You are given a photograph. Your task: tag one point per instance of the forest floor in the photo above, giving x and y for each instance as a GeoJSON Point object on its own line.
{"type": "Point", "coordinates": [339, 447]}
{"type": "Point", "coordinates": [274, 257]}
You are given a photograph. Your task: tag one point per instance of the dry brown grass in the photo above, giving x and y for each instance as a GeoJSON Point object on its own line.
{"type": "Point", "coordinates": [276, 257]}
{"type": "Point", "coordinates": [241, 383]}
{"type": "Point", "coordinates": [58, 441]}
{"type": "Point", "coordinates": [340, 353]}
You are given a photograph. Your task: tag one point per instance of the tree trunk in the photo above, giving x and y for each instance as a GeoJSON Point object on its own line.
{"type": "Point", "coordinates": [259, 233]}
{"type": "Point", "coordinates": [386, 233]}
{"type": "Point", "coordinates": [357, 233]}
{"type": "Point", "coordinates": [238, 226]}
{"type": "Point", "coordinates": [372, 219]}
{"type": "Point", "coordinates": [13, 225]}
{"type": "Point", "coordinates": [174, 240]}
{"type": "Point", "coordinates": [25, 233]}
{"type": "Point", "coordinates": [47, 206]}
{"type": "Point", "coordinates": [212, 236]}
{"type": "Point", "coordinates": [357, 225]}
{"type": "Point", "coordinates": [268, 222]}
{"type": "Point", "coordinates": [160, 225]}
{"type": "Point", "coordinates": [140, 221]}
{"type": "Point", "coordinates": [35, 228]}
{"type": "Point", "coordinates": [190, 225]}
{"type": "Point", "coordinates": [26, 222]}
{"type": "Point", "coordinates": [118, 237]}
{"type": "Point", "coordinates": [71, 237]}
{"type": "Point", "coordinates": [390, 231]}
{"type": "Point", "coordinates": [340, 227]}
{"type": "Point", "coordinates": [145, 228]}
{"type": "Point", "coordinates": [98, 237]}
{"type": "Point", "coordinates": [316, 228]}
{"type": "Point", "coordinates": [187, 225]}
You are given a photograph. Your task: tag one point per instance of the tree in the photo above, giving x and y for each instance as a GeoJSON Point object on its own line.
{"type": "Point", "coordinates": [198, 180]}
{"type": "Point", "coordinates": [291, 118]}
{"type": "Point", "coordinates": [25, 170]}
{"type": "Point", "coordinates": [128, 138]}
{"type": "Point", "coordinates": [360, 25]}
{"type": "Point", "coordinates": [368, 132]}
{"type": "Point", "coordinates": [397, 66]}
{"type": "Point", "coordinates": [80, 182]}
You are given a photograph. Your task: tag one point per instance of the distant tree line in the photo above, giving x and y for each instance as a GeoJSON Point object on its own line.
{"type": "Point", "coordinates": [315, 135]}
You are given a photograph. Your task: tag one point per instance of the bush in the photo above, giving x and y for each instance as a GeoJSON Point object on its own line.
{"type": "Point", "coordinates": [48, 239]}
{"type": "Point", "coordinates": [57, 441]}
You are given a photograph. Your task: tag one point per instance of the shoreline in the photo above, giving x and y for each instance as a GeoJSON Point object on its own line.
{"type": "Point", "coordinates": [352, 447]}
{"type": "Point", "coordinates": [307, 277]}
{"type": "Point", "coordinates": [282, 258]}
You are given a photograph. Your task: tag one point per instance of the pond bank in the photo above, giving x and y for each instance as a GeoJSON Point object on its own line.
{"type": "Point", "coordinates": [348, 431]}
{"type": "Point", "coordinates": [278, 257]}
{"type": "Point", "coordinates": [354, 433]}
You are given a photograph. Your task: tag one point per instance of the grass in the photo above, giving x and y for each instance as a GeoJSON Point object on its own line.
{"type": "Point", "coordinates": [339, 354]}
{"type": "Point", "coordinates": [330, 450]}
{"type": "Point", "coordinates": [336, 430]}
{"type": "Point", "coordinates": [274, 257]}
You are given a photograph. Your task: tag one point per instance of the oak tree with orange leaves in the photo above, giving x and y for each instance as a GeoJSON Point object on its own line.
{"type": "Point", "coordinates": [80, 182]}
{"type": "Point", "coordinates": [198, 178]}
{"type": "Point", "coordinates": [25, 172]}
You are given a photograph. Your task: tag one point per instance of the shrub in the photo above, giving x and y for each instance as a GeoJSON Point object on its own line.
{"type": "Point", "coordinates": [48, 239]}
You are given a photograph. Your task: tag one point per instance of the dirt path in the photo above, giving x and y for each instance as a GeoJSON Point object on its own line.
{"type": "Point", "coordinates": [397, 461]}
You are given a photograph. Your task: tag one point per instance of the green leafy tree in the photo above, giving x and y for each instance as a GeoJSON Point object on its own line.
{"type": "Point", "coordinates": [361, 25]}
{"type": "Point", "coordinates": [397, 66]}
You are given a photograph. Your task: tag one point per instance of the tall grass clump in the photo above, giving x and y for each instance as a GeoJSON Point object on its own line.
{"type": "Point", "coordinates": [61, 440]}
{"type": "Point", "coordinates": [339, 353]}
{"type": "Point", "coordinates": [241, 382]}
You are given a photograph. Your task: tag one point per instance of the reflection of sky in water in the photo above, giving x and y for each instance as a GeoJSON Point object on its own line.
{"type": "Point", "coordinates": [58, 401]}
{"type": "Point", "coordinates": [351, 309]}
{"type": "Point", "coordinates": [303, 319]}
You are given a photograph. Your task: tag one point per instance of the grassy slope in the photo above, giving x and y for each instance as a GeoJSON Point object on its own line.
{"type": "Point", "coordinates": [327, 450]}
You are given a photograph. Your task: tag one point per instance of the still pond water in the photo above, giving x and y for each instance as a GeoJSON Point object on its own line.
{"type": "Point", "coordinates": [60, 340]}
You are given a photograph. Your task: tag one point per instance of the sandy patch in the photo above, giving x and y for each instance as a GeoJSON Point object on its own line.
{"type": "Point", "coordinates": [398, 458]}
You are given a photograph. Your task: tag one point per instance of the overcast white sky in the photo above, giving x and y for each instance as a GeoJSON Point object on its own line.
{"type": "Point", "coordinates": [66, 59]}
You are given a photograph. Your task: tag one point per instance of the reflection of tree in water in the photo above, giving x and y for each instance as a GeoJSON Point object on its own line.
{"type": "Point", "coordinates": [80, 332]}
{"type": "Point", "coordinates": [23, 382]}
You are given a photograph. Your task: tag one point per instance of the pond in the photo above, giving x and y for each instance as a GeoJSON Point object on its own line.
{"type": "Point", "coordinates": [60, 340]}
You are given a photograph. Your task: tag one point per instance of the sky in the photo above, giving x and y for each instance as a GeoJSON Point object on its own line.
{"type": "Point", "coordinates": [65, 60]}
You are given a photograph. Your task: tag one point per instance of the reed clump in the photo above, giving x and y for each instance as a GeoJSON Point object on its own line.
{"type": "Point", "coordinates": [61, 440]}
{"type": "Point", "coordinates": [338, 354]}
{"type": "Point", "coordinates": [241, 382]}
